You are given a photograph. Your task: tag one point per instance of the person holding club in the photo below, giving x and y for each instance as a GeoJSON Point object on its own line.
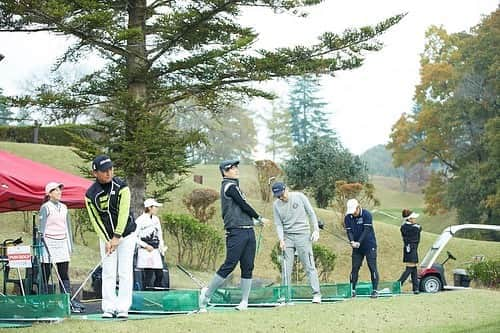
{"type": "Point", "coordinates": [108, 205]}
{"type": "Point", "coordinates": [293, 218]}
{"type": "Point", "coordinates": [239, 220]}
{"type": "Point", "coordinates": [358, 223]}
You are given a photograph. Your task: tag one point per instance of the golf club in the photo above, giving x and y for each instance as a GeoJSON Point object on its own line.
{"type": "Point", "coordinates": [321, 225]}
{"type": "Point", "coordinates": [87, 278]}
{"type": "Point", "coordinates": [198, 282]}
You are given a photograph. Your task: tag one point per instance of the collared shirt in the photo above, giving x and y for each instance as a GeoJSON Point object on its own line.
{"type": "Point", "coordinates": [360, 229]}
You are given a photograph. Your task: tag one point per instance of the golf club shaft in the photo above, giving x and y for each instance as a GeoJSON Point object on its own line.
{"type": "Point", "coordinates": [195, 280]}
{"type": "Point", "coordinates": [87, 278]}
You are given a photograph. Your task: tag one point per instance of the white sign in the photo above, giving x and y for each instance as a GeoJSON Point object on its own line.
{"type": "Point", "coordinates": [19, 256]}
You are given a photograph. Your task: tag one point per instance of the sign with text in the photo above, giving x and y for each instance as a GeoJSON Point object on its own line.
{"type": "Point", "coordinates": [19, 256]}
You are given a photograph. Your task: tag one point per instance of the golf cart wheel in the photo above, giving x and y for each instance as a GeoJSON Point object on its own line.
{"type": "Point", "coordinates": [431, 284]}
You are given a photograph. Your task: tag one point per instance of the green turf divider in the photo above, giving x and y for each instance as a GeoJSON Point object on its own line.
{"type": "Point", "coordinates": [34, 306]}
{"type": "Point", "coordinates": [178, 300]}
{"type": "Point", "coordinates": [388, 288]}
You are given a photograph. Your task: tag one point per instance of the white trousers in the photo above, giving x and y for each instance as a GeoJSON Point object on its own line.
{"type": "Point", "coordinates": [119, 262]}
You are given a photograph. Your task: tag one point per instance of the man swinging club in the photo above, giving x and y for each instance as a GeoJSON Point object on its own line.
{"type": "Point", "coordinates": [239, 220]}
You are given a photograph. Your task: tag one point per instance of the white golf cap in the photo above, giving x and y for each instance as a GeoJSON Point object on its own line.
{"type": "Point", "coordinates": [52, 186]}
{"type": "Point", "coordinates": [413, 216]}
{"type": "Point", "coordinates": [152, 202]}
{"type": "Point", "coordinates": [352, 204]}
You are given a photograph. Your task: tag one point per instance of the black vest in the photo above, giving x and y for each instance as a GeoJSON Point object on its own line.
{"type": "Point", "coordinates": [99, 195]}
{"type": "Point", "coordinates": [232, 214]}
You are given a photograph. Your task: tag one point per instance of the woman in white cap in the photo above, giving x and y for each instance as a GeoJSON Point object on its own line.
{"type": "Point", "coordinates": [150, 243]}
{"type": "Point", "coordinates": [410, 231]}
{"type": "Point", "coordinates": [55, 228]}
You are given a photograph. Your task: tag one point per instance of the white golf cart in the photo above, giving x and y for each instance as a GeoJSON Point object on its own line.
{"type": "Point", "coordinates": [431, 274]}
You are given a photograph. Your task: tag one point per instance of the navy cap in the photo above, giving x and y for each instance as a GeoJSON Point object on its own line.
{"type": "Point", "coordinates": [102, 163]}
{"type": "Point", "coordinates": [227, 164]}
{"type": "Point", "coordinates": [278, 189]}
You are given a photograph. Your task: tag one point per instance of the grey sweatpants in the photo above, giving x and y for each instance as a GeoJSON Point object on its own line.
{"type": "Point", "coordinates": [302, 243]}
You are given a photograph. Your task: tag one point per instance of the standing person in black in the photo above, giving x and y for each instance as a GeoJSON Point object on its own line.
{"type": "Point", "coordinates": [410, 231]}
{"type": "Point", "coordinates": [239, 220]}
{"type": "Point", "coordinates": [359, 228]}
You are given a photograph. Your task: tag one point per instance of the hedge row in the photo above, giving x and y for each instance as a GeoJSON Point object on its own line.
{"type": "Point", "coordinates": [54, 135]}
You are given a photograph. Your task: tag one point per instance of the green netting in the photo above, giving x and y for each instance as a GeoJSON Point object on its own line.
{"type": "Point", "coordinates": [35, 306]}
{"type": "Point", "coordinates": [165, 301]}
{"type": "Point", "coordinates": [187, 300]}
{"type": "Point", "coordinates": [365, 288]}
{"type": "Point", "coordinates": [278, 294]}
{"type": "Point", "coordinates": [336, 291]}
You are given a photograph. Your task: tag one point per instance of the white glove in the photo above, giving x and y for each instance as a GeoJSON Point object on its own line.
{"type": "Point", "coordinates": [408, 248]}
{"type": "Point", "coordinates": [315, 236]}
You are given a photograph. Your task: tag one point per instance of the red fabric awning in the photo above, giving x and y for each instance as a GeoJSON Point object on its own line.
{"type": "Point", "coordinates": [22, 184]}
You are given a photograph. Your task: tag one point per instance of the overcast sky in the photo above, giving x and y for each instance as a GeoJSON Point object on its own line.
{"type": "Point", "coordinates": [364, 102]}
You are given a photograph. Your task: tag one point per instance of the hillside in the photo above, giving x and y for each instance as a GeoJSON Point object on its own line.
{"type": "Point", "coordinates": [387, 229]}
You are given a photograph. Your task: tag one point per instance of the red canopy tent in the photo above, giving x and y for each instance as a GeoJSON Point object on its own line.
{"type": "Point", "coordinates": [22, 184]}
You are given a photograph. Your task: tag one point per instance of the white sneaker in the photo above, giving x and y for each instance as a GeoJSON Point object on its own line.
{"type": "Point", "coordinates": [242, 306]}
{"type": "Point", "coordinates": [107, 315]}
{"type": "Point", "coordinates": [202, 300]}
{"type": "Point", "coordinates": [122, 315]}
{"type": "Point", "coordinates": [316, 298]}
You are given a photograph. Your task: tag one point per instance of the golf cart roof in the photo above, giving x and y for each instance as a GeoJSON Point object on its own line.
{"type": "Point", "coordinates": [445, 236]}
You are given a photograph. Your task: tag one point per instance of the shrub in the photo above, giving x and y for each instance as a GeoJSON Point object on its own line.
{"type": "Point", "coordinates": [487, 273]}
{"type": "Point", "coordinates": [198, 203]}
{"type": "Point", "coordinates": [199, 245]}
{"type": "Point", "coordinates": [267, 170]}
{"type": "Point", "coordinates": [324, 259]}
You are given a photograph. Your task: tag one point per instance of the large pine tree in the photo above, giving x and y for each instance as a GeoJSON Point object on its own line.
{"type": "Point", "coordinates": [159, 53]}
{"type": "Point", "coordinates": [307, 110]}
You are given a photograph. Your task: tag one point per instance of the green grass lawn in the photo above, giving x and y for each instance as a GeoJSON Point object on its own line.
{"type": "Point", "coordinates": [446, 312]}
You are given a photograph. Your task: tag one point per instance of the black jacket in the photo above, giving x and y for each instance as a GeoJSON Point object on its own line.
{"type": "Point", "coordinates": [108, 206]}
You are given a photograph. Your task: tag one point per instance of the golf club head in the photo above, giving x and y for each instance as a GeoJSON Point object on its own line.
{"type": "Point", "coordinates": [321, 224]}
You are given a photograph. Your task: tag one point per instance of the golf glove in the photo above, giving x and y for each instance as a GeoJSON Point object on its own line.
{"type": "Point", "coordinates": [315, 236]}
{"type": "Point", "coordinates": [408, 249]}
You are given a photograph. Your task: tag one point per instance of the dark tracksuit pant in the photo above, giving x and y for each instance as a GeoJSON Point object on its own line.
{"type": "Point", "coordinates": [240, 247]}
{"type": "Point", "coordinates": [371, 259]}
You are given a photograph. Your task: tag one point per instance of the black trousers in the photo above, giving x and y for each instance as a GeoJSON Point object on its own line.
{"type": "Point", "coordinates": [240, 247]}
{"type": "Point", "coordinates": [148, 275]}
{"type": "Point", "coordinates": [371, 259]}
{"type": "Point", "coordinates": [62, 269]}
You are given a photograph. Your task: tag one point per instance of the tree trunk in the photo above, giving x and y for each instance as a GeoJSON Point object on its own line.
{"type": "Point", "coordinates": [137, 67]}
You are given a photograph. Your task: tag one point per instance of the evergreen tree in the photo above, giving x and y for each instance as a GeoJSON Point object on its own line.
{"type": "Point", "coordinates": [5, 113]}
{"type": "Point", "coordinates": [230, 133]}
{"type": "Point", "coordinates": [319, 164]}
{"type": "Point", "coordinates": [279, 132]}
{"type": "Point", "coordinates": [160, 53]}
{"type": "Point", "coordinates": [307, 110]}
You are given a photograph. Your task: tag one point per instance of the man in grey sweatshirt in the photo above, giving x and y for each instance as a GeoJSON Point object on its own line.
{"type": "Point", "coordinates": [293, 217]}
